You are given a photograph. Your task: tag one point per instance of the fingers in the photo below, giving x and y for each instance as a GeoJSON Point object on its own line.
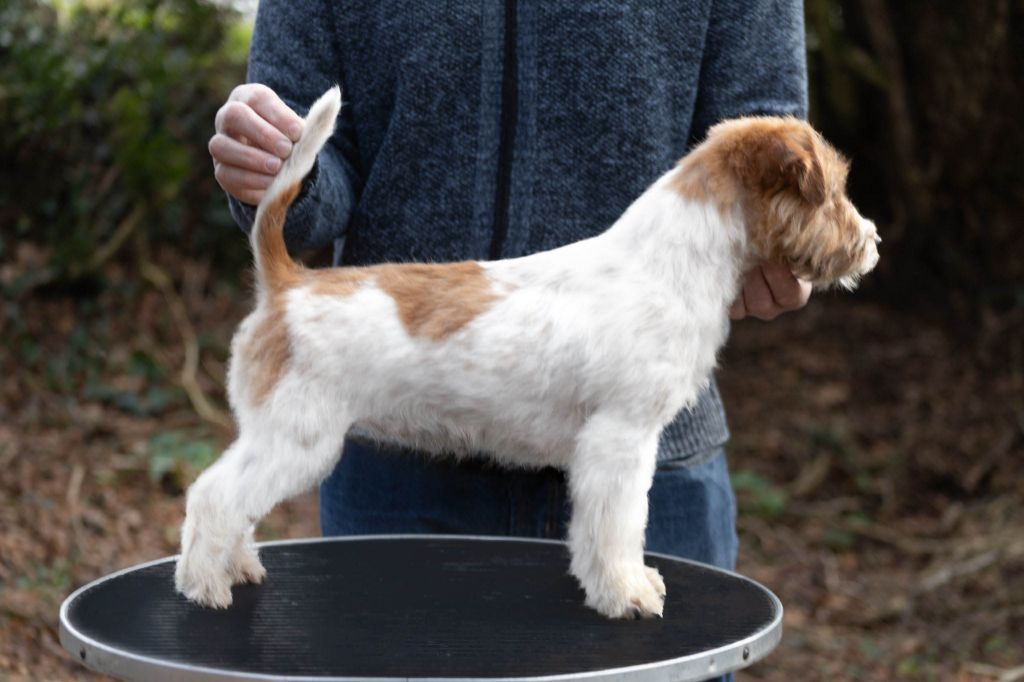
{"type": "Point", "coordinates": [255, 131]}
{"type": "Point", "coordinates": [270, 108]}
{"type": "Point", "coordinates": [228, 151]}
{"type": "Point", "coordinates": [757, 296]}
{"type": "Point", "coordinates": [768, 291]}
{"type": "Point", "coordinates": [239, 121]}
{"type": "Point", "coordinates": [242, 184]}
{"type": "Point", "coordinates": [788, 292]}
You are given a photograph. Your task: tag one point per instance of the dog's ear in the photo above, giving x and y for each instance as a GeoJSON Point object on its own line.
{"type": "Point", "coordinates": [798, 165]}
{"type": "Point", "coordinates": [780, 156]}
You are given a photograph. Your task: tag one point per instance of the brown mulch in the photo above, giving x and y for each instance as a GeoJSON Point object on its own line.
{"type": "Point", "coordinates": [895, 445]}
{"type": "Point", "coordinates": [877, 456]}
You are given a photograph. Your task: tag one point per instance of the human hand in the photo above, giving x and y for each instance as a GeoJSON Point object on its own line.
{"type": "Point", "coordinates": [254, 133]}
{"type": "Point", "coordinates": [768, 291]}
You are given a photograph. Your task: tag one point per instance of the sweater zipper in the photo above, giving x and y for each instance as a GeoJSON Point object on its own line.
{"type": "Point", "coordinates": [509, 105]}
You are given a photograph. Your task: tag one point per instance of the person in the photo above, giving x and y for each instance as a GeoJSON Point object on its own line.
{"type": "Point", "coordinates": [493, 130]}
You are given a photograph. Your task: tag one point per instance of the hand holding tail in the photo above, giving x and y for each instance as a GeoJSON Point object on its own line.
{"type": "Point", "coordinates": [274, 267]}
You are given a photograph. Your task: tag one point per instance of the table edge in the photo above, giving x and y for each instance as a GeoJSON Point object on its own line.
{"type": "Point", "coordinates": [120, 663]}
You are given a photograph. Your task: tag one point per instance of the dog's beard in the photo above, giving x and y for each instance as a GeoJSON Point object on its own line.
{"type": "Point", "coordinates": [827, 247]}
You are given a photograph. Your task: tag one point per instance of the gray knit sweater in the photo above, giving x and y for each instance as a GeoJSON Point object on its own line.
{"type": "Point", "coordinates": [483, 130]}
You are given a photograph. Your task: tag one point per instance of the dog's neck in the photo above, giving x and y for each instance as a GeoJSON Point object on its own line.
{"type": "Point", "coordinates": [692, 243]}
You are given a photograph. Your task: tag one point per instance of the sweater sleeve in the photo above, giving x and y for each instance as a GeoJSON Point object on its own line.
{"type": "Point", "coordinates": [294, 52]}
{"type": "Point", "coordinates": [755, 62]}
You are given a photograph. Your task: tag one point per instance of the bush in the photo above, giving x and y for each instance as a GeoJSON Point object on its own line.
{"type": "Point", "coordinates": [106, 110]}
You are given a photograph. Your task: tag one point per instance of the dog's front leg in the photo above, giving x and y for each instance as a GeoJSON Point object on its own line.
{"type": "Point", "coordinates": [609, 477]}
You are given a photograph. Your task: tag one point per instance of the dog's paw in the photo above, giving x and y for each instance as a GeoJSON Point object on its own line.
{"type": "Point", "coordinates": [210, 589]}
{"type": "Point", "coordinates": [252, 572]}
{"type": "Point", "coordinates": [634, 594]}
{"type": "Point", "coordinates": [641, 602]}
{"type": "Point", "coordinates": [245, 566]}
{"type": "Point", "coordinates": [657, 582]}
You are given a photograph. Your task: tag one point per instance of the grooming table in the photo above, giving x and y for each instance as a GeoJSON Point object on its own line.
{"type": "Point", "coordinates": [416, 608]}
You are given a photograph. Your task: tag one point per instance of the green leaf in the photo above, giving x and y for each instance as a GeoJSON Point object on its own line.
{"type": "Point", "coordinates": [757, 495]}
{"type": "Point", "coordinates": [176, 457]}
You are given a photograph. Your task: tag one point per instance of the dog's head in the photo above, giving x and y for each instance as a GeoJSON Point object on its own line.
{"type": "Point", "coordinates": [791, 187]}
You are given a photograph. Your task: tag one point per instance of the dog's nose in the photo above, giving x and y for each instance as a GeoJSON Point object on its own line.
{"type": "Point", "coordinates": [878, 240]}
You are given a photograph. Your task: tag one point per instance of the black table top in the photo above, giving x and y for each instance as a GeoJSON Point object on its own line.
{"type": "Point", "coordinates": [414, 607]}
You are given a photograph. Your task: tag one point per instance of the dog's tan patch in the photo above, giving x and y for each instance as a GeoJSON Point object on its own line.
{"type": "Point", "coordinates": [264, 351]}
{"type": "Point", "coordinates": [702, 178]}
{"type": "Point", "coordinates": [339, 281]}
{"type": "Point", "coordinates": [763, 155]}
{"type": "Point", "coordinates": [435, 301]}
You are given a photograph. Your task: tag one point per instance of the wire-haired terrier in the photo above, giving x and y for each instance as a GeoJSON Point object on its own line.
{"type": "Point", "coordinates": [574, 358]}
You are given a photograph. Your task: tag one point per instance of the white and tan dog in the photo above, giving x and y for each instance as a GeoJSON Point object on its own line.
{"type": "Point", "coordinates": [574, 358]}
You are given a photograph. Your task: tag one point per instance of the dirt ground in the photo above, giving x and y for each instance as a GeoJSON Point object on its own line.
{"type": "Point", "coordinates": [877, 456]}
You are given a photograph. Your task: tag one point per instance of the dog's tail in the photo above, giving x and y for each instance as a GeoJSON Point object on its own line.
{"type": "Point", "coordinates": [274, 267]}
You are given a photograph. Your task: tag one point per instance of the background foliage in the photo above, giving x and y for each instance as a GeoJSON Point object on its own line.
{"type": "Point", "coordinates": [106, 110]}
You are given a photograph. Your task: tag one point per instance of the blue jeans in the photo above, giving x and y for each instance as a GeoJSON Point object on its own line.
{"type": "Point", "coordinates": [692, 511]}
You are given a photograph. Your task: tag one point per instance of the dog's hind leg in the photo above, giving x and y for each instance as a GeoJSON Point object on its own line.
{"type": "Point", "coordinates": [259, 470]}
{"type": "Point", "coordinates": [608, 479]}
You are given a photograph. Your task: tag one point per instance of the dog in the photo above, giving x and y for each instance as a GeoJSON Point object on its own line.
{"type": "Point", "coordinates": [574, 358]}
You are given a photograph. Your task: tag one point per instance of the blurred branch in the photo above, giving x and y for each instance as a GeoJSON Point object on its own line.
{"type": "Point", "coordinates": [103, 253]}
{"type": "Point", "coordinates": [107, 250]}
{"type": "Point", "coordinates": [948, 572]}
{"type": "Point", "coordinates": [996, 673]}
{"type": "Point", "coordinates": [153, 274]}
{"type": "Point", "coordinates": [882, 34]}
